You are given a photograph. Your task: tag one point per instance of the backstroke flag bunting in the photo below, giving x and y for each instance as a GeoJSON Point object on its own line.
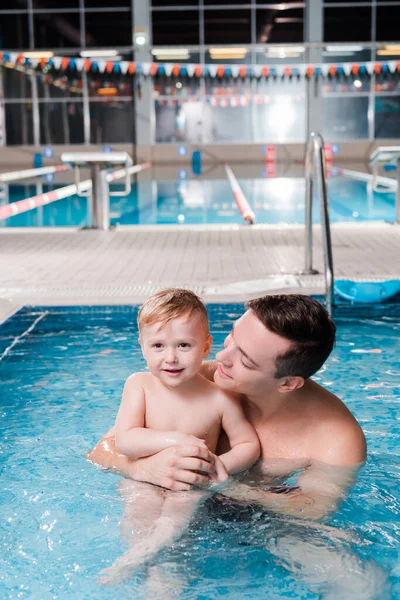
{"type": "Point", "coordinates": [190, 70]}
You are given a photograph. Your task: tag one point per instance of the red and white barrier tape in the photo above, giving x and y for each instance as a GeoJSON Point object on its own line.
{"type": "Point", "coordinates": [16, 208]}
{"type": "Point", "coordinates": [16, 175]}
{"type": "Point", "coordinates": [119, 173]}
{"type": "Point", "coordinates": [241, 200]}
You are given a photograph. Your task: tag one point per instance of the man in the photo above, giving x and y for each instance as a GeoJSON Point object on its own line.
{"type": "Point", "coordinates": [269, 357]}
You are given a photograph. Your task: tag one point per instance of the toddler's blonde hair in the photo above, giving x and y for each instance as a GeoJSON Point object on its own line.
{"type": "Point", "coordinates": [169, 304]}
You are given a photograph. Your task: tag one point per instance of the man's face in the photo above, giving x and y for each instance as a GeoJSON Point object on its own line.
{"type": "Point", "coordinates": [247, 363]}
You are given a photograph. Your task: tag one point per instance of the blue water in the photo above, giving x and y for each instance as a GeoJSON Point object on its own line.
{"type": "Point", "coordinates": [195, 201]}
{"type": "Point", "coordinates": [60, 390]}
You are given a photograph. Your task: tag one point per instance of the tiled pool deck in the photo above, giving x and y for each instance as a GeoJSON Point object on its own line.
{"type": "Point", "coordinates": [223, 263]}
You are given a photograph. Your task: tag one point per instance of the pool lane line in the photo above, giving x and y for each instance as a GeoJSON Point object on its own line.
{"type": "Point", "coordinates": [17, 175]}
{"type": "Point", "coordinates": [21, 206]}
{"type": "Point", "coordinates": [379, 179]}
{"type": "Point", "coordinates": [119, 173]}
{"type": "Point", "coordinates": [241, 200]}
{"type": "Point", "coordinates": [24, 334]}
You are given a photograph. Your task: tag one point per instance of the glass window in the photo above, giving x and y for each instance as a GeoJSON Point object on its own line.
{"type": "Point", "coordinates": [112, 85]}
{"type": "Point", "coordinates": [243, 57]}
{"type": "Point", "coordinates": [19, 123]}
{"type": "Point", "coordinates": [99, 33]}
{"type": "Point", "coordinates": [112, 121]}
{"type": "Point", "coordinates": [175, 27]}
{"type": "Point", "coordinates": [11, 4]}
{"type": "Point", "coordinates": [387, 116]}
{"type": "Point", "coordinates": [16, 84]}
{"type": "Point", "coordinates": [226, 124]}
{"type": "Point", "coordinates": [183, 56]}
{"type": "Point", "coordinates": [227, 26]}
{"type": "Point", "coordinates": [40, 4]}
{"type": "Point", "coordinates": [387, 23]}
{"type": "Point", "coordinates": [215, 2]}
{"type": "Point", "coordinates": [59, 30]}
{"type": "Point", "coordinates": [339, 24]}
{"type": "Point", "coordinates": [165, 86]}
{"type": "Point", "coordinates": [348, 53]}
{"type": "Point", "coordinates": [280, 26]}
{"type": "Point", "coordinates": [386, 83]}
{"type": "Point", "coordinates": [61, 122]}
{"type": "Point", "coordinates": [345, 118]}
{"type": "Point", "coordinates": [14, 31]}
{"type": "Point", "coordinates": [166, 123]}
{"type": "Point", "coordinates": [279, 111]}
{"type": "Point", "coordinates": [58, 84]}
{"type": "Point", "coordinates": [167, 3]}
{"type": "Point", "coordinates": [279, 5]}
{"type": "Point", "coordinates": [343, 84]}
{"type": "Point", "coordinates": [107, 4]}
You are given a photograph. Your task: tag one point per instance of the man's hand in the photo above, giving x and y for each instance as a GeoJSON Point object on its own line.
{"type": "Point", "coordinates": [178, 468]}
{"type": "Point", "coordinates": [177, 438]}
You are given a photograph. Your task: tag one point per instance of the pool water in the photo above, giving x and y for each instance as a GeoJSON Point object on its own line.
{"type": "Point", "coordinates": [61, 377]}
{"type": "Point", "coordinates": [201, 201]}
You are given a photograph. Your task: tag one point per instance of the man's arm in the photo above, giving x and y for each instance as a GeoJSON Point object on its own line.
{"type": "Point", "coordinates": [322, 485]}
{"type": "Point", "coordinates": [177, 468]}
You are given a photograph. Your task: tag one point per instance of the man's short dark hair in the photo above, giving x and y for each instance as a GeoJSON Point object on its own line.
{"type": "Point", "coordinates": [303, 321]}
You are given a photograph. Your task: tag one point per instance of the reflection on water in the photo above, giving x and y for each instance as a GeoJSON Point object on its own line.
{"type": "Point", "coordinates": [60, 389]}
{"type": "Point", "coordinates": [201, 201]}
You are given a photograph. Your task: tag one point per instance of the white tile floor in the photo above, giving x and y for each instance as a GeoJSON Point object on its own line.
{"type": "Point", "coordinates": [222, 263]}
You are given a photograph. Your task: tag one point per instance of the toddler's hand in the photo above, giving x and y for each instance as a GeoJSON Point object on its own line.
{"type": "Point", "coordinates": [221, 475]}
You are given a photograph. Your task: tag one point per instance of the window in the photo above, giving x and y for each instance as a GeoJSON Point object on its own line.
{"type": "Point", "coordinates": [60, 30]}
{"type": "Point", "coordinates": [339, 24]}
{"type": "Point", "coordinates": [227, 26]}
{"type": "Point", "coordinates": [19, 124]}
{"type": "Point", "coordinates": [279, 26]}
{"type": "Point", "coordinates": [14, 31]}
{"type": "Point", "coordinates": [40, 4]}
{"type": "Point", "coordinates": [61, 122]}
{"type": "Point", "coordinates": [345, 118]}
{"type": "Point", "coordinates": [175, 27]}
{"type": "Point", "coordinates": [167, 3]}
{"type": "Point", "coordinates": [107, 4]}
{"type": "Point", "coordinates": [387, 117]}
{"type": "Point", "coordinates": [16, 84]}
{"type": "Point", "coordinates": [387, 23]}
{"type": "Point", "coordinates": [99, 33]}
{"type": "Point", "coordinates": [111, 121]}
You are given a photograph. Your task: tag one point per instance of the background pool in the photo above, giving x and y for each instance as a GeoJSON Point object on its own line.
{"type": "Point", "coordinates": [194, 201]}
{"type": "Point", "coordinates": [60, 389]}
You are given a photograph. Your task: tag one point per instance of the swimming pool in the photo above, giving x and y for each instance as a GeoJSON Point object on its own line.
{"type": "Point", "coordinates": [61, 380]}
{"type": "Point", "coordinates": [202, 201]}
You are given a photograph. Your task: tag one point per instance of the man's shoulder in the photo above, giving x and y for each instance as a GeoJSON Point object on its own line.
{"type": "Point", "coordinates": [338, 437]}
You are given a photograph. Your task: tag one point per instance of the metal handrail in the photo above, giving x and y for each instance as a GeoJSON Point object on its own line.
{"type": "Point", "coordinates": [315, 165]}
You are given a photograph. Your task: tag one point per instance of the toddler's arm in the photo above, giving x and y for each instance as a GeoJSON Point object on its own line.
{"type": "Point", "coordinates": [131, 437]}
{"type": "Point", "coordinates": [243, 440]}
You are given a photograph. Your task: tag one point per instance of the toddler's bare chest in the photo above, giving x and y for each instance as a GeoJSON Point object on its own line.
{"type": "Point", "coordinates": [192, 417]}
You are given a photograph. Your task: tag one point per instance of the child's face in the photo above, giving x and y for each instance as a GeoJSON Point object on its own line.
{"type": "Point", "coordinates": [175, 352]}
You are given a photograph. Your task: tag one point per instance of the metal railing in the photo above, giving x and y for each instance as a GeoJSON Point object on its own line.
{"type": "Point", "coordinates": [315, 168]}
{"type": "Point", "coordinates": [386, 155]}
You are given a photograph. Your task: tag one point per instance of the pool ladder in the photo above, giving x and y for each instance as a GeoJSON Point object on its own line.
{"type": "Point", "coordinates": [315, 169]}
